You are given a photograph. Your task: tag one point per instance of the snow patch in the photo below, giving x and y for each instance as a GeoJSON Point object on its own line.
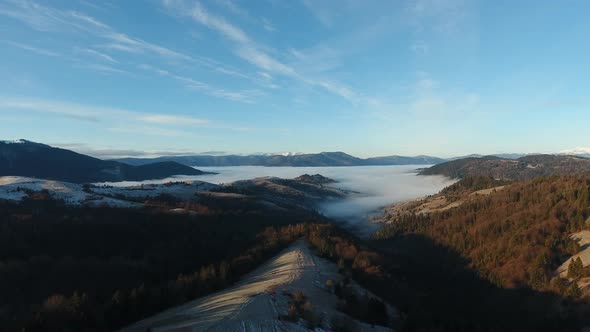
{"type": "Point", "coordinates": [18, 141]}
{"type": "Point", "coordinates": [16, 188]}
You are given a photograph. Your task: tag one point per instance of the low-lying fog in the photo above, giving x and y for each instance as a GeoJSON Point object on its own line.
{"type": "Point", "coordinates": [377, 186]}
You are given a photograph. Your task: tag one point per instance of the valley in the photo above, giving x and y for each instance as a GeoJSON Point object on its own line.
{"type": "Point", "coordinates": [307, 166]}
{"type": "Point", "coordinates": [310, 248]}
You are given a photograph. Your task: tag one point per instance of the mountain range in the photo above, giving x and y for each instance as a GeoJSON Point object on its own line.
{"type": "Point", "coordinates": [30, 159]}
{"type": "Point", "coordinates": [522, 168]}
{"type": "Point", "coordinates": [308, 160]}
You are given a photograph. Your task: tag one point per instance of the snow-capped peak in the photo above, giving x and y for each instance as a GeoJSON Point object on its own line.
{"type": "Point", "coordinates": [284, 154]}
{"type": "Point", "coordinates": [288, 154]}
{"type": "Point", "coordinates": [576, 151]}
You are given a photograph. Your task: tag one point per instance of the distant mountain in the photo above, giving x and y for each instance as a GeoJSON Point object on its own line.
{"type": "Point", "coordinates": [523, 168]}
{"type": "Point", "coordinates": [499, 155]}
{"type": "Point", "coordinates": [316, 159]}
{"type": "Point", "coordinates": [25, 158]}
{"type": "Point", "coordinates": [401, 160]}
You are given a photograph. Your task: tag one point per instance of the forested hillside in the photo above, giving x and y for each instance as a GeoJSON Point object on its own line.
{"type": "Point", "coordinates": [523, 168]}
{"type": "Point", "coordinates": [65, 268]}
{"type": "Point", "coordinates": [80, 269]}
{"type": "Point", "coordinates": [30, 159]}
{"type": "Point", "coordinates": [515, 237]}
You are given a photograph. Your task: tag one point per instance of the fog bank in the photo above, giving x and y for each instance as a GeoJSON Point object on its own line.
{"type": "Point", "coordinates": [376, 187]}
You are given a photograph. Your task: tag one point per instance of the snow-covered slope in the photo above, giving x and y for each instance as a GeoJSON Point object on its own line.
{"type": "Point", "coordinates": [258, 302]}
{"type": "Point", "coordinates": [16, 188]}
{"type": "Point", "coordinates": [181, 190]}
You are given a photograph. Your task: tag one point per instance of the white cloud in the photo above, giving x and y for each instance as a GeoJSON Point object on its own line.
{"type": "Point", "coordinates": [247, 49]}
{"type": "Point", "coordinates": [74, 111]}
{"type": "Point", "coordinates": [234, 8]}
{"type": "Point", "coordinates": [97, 54]}
{"type": "Point", "coordinates": [173, 119]}
{"type": "Point", "coordinates": [122, 48]}
{"type": "Point", "coordinates": [95, 113]}
{"type": "Point", "coordinates": [150, 131]}
{"type": "Point", "coordinates": [322, 13]}
{"type": "Point", "coordinates": [264, 61]}
{"type": "Point", "coordinates": [247, 96]}
{"type": "Point", "coordinates": [48, 19]}
{"type": "Point", "coordinates": [112, 153]}
{"type": "Point", "coordinates": [340, 90]}
{"type": "Point", "coordinates": [267, 25]}
{"type": "Point", "coordinates": [265, 75]}
{"type": "Point", "coordinates": [33, 49]}
{"type": "Point", "coordinates": [199, 14]}
{"type": "Point", "coordinates": [135, 45]}
{"type": "Point", "coordinates": [105, 69]}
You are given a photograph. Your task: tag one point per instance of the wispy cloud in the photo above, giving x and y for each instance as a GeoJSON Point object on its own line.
{"type": "Point", "coordinates": [233, 7]}
{"type": "Point", "coordinates": [246, 48]}
{"type": "Point", "coordinates": [77, 62]}
{"type": "Point", "coordinates": [95, 113]}
{"type": "Point", "coordinates": [341, 90]}
{"type": "Point", "coordinates": [247, 96]}
{"type": "Point", "coordinates": [249, 50]}
{"type": "Point", "coordinates": [74, 111]}
{"type": "Point", "coordinates": [267, 25]}
{"type": "Point", "coordinates": [105, 69]}
{"type": "Point", "coordinates": [201, 15]}
{"type": "Point", "coordinates": [264, 61]}
{"type": "Point", "coordinates": [96, 54]}
{"type": "Point", "coordinates": [322, 13]}
{"type": "Point", "coordinates": [111, 153]}
{"type": "Point", "coordinates": [135, 45]}
{"type": "Point", "coordinates": [444, 16]}
{"type": "Point", "coordinates": [118, 119]}
{"type": "Point", "coordinates": [44, 18]}
{"type": "Point", "coordinates": [150, 131]}
{"type": "Point", "coordinates": [173, 119]}
{"type": "Point", "coordinates": [33, 49]}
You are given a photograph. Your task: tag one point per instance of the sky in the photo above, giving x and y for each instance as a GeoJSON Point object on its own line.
{"type": "Point", "coordinates": [160, 77]}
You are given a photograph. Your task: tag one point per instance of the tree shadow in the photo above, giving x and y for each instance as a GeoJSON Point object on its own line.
{"type": "Point", "coordinates": [440, 292]}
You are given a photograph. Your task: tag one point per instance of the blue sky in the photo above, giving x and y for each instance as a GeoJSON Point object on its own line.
{"type": "Point", "coordinates": [438, 77]}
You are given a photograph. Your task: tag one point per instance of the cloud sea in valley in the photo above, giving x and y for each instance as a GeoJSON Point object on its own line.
{"type": "Point", "coordinates": [374, 187]}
